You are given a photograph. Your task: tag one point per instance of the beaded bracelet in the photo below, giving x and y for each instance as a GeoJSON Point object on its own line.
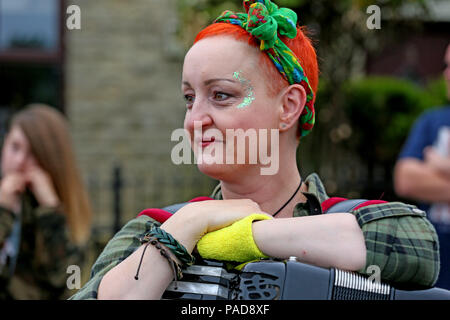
{"type": "Point", "coordinates": [175, 266]}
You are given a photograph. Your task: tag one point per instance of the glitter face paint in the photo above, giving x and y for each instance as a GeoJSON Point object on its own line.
{"type": "Point", "coordinates": [250, 96]}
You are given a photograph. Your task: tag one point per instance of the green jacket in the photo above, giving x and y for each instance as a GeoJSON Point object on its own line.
{"type": "Point", "coordinates": [44, 254]}
{"type": "Point", "coordinates": [399, 239]}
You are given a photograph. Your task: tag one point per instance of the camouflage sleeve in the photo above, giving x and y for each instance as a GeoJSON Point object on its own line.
{"type": "Point", "coordinates": [6, 223]}
{"type": "Point", "coordinates": [122, 245]}
{"type": "Point", "coordinates": [401, 242]}
{"type": "Point", "coordinates": [55, 251]}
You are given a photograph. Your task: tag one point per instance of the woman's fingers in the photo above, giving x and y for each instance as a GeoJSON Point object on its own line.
{"type": "Point", "coordinates": [11, 186]}
{"type": "Point", "coordinates": [42, 186]}
{"type": "Point", "coordinates": [13, 183]}
{"type": "Point", "coordinates": [217, 214]}
{"type": "Point", "coordinates": [196, 219]}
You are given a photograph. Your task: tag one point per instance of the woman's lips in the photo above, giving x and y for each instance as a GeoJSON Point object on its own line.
{"type": "Point", "coordinates": [206, 142]}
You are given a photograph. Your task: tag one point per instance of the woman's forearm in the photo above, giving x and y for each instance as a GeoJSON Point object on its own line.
{"type": "Point", "coordinates": [332, 240]}
{"type": "Point", "coordinates": [155, 272]}
{"type": "Point", "coordinates": [154, 277]}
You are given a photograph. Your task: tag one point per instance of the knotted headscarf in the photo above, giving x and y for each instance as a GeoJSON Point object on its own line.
{"type": "Point", "coordinates": [265, 21]}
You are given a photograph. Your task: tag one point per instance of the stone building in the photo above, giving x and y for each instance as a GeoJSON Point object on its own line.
{"type": "Point", "coordinates": [118, 80]}
{"type": "Point", "coordinates": [123, 99]}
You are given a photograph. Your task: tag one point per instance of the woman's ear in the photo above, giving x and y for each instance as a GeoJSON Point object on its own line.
{"type": "Point", "coordinates": [293, 101]}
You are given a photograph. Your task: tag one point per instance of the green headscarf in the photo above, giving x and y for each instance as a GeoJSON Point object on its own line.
{"type": "Point", "coordinates": [265, 21]}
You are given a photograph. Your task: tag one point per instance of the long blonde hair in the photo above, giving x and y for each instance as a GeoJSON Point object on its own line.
{"type": "Point", "coordinates": [47, 132]}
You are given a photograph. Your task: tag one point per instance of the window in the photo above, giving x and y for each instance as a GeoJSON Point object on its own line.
{"type": "Point", "coordinates": [29, 24]}
{"type": "Point", "coordinates": [31, 55]}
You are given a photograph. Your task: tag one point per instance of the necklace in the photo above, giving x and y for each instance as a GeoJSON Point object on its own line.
{"type": "Point", "coordinates": [284, 205]}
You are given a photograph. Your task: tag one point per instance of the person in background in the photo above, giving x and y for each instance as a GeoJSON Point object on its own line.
{"type": "Point", "coordinates": [45, 214]}
{"type": "Point", "coordinates": [422, 172]}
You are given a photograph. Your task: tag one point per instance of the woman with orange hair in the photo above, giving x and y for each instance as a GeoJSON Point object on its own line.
{"type": "Point", "coordinates": [258, 71]}
{"type": "Point", "coordinates": [44, 209]}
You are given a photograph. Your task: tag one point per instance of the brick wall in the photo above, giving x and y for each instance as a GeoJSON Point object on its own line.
{"type": "Point", "coordinates": [123, 99]}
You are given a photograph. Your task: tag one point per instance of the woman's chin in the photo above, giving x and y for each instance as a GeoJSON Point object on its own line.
{"type": "Point", "coordinates": [218, 171]}
{"type": "Point", "coordinates": [225, 172]}
{"type": "Point", "coordinates": [215, 171]}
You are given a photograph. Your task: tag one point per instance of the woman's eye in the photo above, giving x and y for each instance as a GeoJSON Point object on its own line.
{"type": "Point", "coordinates": [189, 98]}
{"type": "Point", "coordinates": [221, 96]}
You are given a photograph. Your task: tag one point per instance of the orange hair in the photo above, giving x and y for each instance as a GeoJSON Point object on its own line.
{"type": "Point", "coordinates": [300, 45]}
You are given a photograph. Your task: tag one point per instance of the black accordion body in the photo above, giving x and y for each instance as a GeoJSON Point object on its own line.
{"type": "Point", "coordinates": [286, 280]}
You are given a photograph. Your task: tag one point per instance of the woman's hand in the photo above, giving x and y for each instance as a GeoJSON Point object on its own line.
{"type": "Point", "coordinates": [187, 226]}
{"type": "Point", "coordinates": [11, 187]}
{"type": "Point", "coordinates": [41, 185]}
{"type": "Point", "coordinates": [196, 219]}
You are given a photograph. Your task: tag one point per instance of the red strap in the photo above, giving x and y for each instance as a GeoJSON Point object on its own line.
{"type": "Point", "coordinates": [161, 215]}
{"type": "Point", "coordinates": [327, 204]}
{"type": "Point", "coordinates": [368, 203]}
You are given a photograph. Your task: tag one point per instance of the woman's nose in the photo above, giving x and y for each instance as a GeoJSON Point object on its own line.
{"type": "Point", "coordinates": [198, 115]}
{"type": "Point", "coordinates": [21, 162]}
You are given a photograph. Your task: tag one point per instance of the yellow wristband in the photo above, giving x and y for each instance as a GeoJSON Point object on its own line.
{"type": "Point", "coordinates": [232, 243]}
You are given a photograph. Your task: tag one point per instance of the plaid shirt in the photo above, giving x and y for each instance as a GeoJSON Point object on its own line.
{"type": "Point", "coordinates": [399, 239]}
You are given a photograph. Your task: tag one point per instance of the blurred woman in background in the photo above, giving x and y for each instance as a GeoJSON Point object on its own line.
{"type": "Point", "coordinates": [45, 214]}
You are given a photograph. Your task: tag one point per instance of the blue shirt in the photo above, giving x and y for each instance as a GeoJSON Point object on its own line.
{"type": "Point", "coordinates": [425, 132]}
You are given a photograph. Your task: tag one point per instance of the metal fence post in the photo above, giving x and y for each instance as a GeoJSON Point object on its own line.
{"type": "Point", "coordinates": [117, 184]}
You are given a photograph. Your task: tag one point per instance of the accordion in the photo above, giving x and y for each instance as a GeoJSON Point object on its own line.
{"type": "Point", "coordinates": [286, 280]}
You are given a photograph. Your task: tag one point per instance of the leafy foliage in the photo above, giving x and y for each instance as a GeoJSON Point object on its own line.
{"type": "Point", "coordinates": [382, 110]}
